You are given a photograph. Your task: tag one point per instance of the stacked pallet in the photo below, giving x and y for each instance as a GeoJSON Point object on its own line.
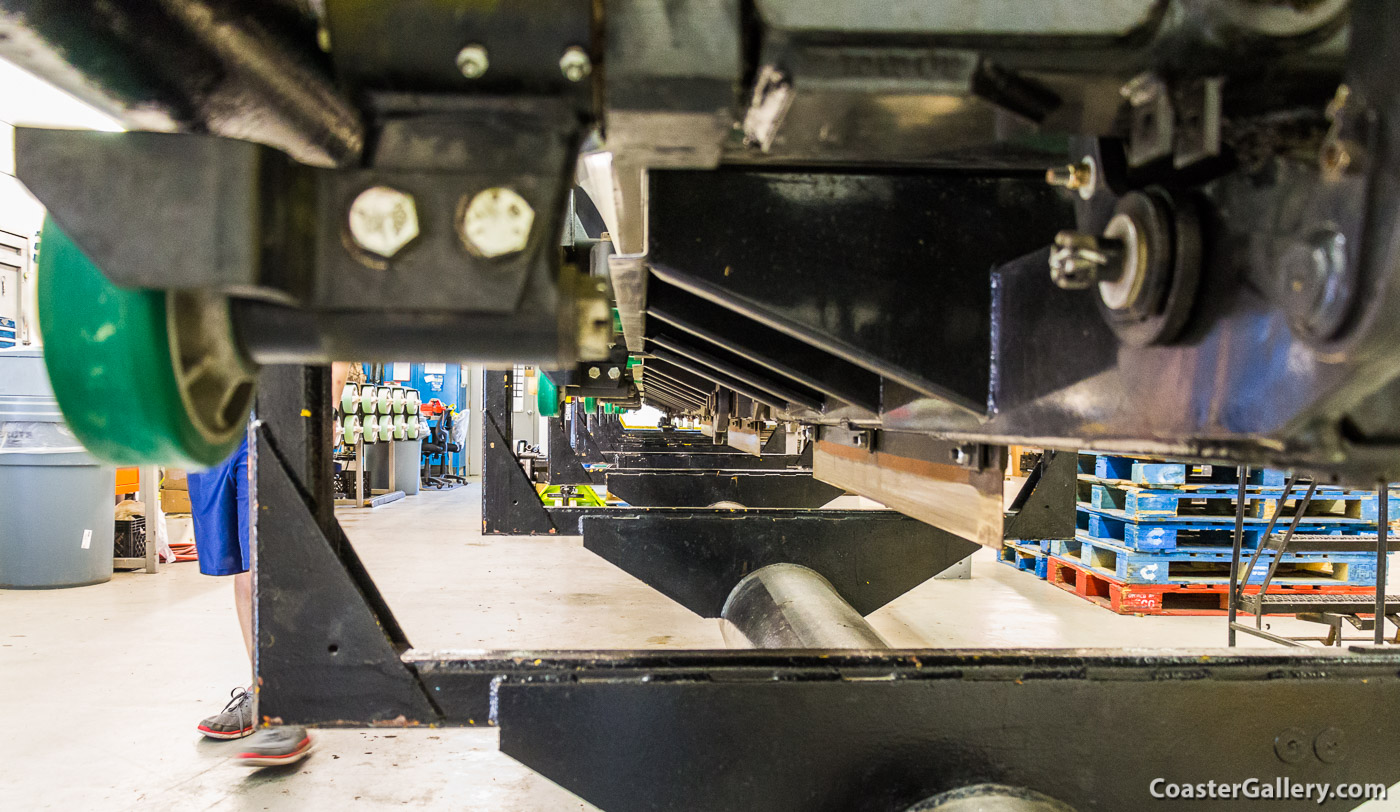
{"type": "Point", "coordinates": [1154, 537]}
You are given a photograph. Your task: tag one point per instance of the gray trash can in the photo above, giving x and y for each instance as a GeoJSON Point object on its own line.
{"type": "Point", "coordinates": [56, 500]}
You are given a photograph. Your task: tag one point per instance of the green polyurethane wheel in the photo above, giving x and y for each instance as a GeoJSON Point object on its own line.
{"type": "Point", "coordinates": [546, 396]}
{"type": "Point", "coordinates": [114, 369]}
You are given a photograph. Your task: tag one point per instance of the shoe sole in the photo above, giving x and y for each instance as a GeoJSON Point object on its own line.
{"type": "Point", "coordinates": [260, 760]}
{"type": "Point", "coordinates": [226, 734]}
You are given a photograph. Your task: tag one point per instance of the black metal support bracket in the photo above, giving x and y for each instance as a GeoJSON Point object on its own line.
{"type": "Point", "coordinates": [565, 467]}
{"type": "Point", "coordinates": [327, 645]}
{"type": "Point", "coordinates": [1044, 508]}
{"type": "Point", "coordinates": [871, 557]}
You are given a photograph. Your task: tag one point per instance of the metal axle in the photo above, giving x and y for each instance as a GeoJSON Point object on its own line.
{"type": "Point", "coordinates": [791, 606]}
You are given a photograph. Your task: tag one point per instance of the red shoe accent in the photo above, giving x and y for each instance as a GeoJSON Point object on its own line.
{"type": "Point", "coordinates": [225, 734]}
{"type": "Point", "coordinates": [262, 760]}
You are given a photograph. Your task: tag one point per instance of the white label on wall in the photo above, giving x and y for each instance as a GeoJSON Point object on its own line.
{"type": "Point", "coordinates": [87, 539]}
{"type": "Point", "coordinates": [402, 371]}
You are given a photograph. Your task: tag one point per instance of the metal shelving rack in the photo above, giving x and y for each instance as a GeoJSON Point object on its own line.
{"type": "Point", "coordinates": [1332, 610]}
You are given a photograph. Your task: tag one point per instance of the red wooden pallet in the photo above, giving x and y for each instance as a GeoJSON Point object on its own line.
{"type": "Point", "coordinates": [1168, 599]}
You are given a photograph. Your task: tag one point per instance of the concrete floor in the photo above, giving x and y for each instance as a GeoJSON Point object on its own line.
{"type": "Point", "coordinates": [101, 687]}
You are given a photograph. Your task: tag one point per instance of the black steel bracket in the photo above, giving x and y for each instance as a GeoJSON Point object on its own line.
{"type": "Point", "coordinates": [871, 557]}
{"type": "Point", "coordinates": [1044, 508]}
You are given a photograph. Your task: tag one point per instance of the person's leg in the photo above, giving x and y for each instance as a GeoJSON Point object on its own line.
{"type": "Point", "coordinates": [214, 510]}
{"type": "Point", "coordinates": [243, 601]}
{"type": "Point", "coordinates": [243, 581]}
{"type": "Point", "coordinates": [271, 746]}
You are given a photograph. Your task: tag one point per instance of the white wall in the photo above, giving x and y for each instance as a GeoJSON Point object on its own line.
{"type": "Point", "coordinates": [26, 99]}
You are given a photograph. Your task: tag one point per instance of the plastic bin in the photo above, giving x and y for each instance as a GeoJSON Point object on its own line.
{"type": "Point", "coordinates": [56, 500]}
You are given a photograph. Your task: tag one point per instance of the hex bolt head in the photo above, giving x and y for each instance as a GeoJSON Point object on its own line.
{"type": "Point", "coordinates": [594, 373]}
{"type": "Point", "coordinates": [614, 373]}
{"type": "Point", "coordinates": [497, 222]}
{"type": "Point", "coordinates": [472, 61]}
{"type": "Point", "coordinates": [575, 64]}
{"type": "Point", "coordinates": [383, 220]}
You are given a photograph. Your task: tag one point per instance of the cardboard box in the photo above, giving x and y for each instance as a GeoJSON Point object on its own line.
{"type": "Point", "coordinates": [174, 501]}
{"type": "Point", "coordinates": [175, 480]}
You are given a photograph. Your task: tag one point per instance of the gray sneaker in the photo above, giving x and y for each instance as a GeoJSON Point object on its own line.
{"type": "Point", "coordinates": [276, 745]}
{"type": "Point", "coordinates": [233, 722]}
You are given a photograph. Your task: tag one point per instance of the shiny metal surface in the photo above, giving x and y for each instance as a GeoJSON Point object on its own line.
{"type": "Point", "coordinates": [790, 606]}
{"type": "Point", "coordinates": [990, 798]}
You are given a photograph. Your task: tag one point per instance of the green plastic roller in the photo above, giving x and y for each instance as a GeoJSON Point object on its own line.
{"type": "Point", "coordinates": [142, 376]}
{"type": "Point", "coordinates": [547, 397]}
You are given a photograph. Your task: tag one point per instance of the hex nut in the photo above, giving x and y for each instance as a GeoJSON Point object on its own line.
{"type": "Point", "coordinates": [614, 373]}
{"type": "Point", "coordinates": [383, 220]}
{"type": "Point", "coordinates": [497, 222]}
{"type": "Point", "coordinates": [575, 64]}
{"type": "Point", "coordinates": [472, 61]}
{"type": "Point", "coordinates": [593, 372]}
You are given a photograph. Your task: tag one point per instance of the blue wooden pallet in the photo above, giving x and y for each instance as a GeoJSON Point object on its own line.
{"type": "Point", "coordinates": [1150, 503]}
{"type": "Point", "coordinates": [1157, 472]}
{"type": "Point", "coordinates": [1211, 565]}
{"type": "Point", "coordinates": [1027, 556]}
{"type": "Point", "coordinates": [1167, 535]}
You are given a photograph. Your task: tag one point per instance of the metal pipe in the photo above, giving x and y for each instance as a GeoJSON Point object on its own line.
{"type": "Point", "coordinates": [191, 65]}
{"type": "Point", "coordinates": [1382, 554]}
{"type": "Point", "coordinates": [1237, 545]}
{"type": "Point", "coordinates": [990, 798]}
{"type": "Point", "coordinates": [791, 606]}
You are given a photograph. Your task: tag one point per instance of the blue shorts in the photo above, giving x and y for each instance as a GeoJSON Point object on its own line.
{"type": "Point", "coordinates": [219, 507]}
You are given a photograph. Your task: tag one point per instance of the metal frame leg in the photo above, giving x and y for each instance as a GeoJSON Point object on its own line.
{"type": "Point", "coordinates": [1382, 555]}
{"type": "Point", "coordinates": [1282, 548]}
{"type": "Point", "coordinates": [1237, 543]}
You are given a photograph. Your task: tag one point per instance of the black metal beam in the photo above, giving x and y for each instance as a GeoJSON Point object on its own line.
{"type": "Point", "coordinates": [682, 382]}
{"type": "Point", "coordinates": [773, 350]}
{"type": "Point", "coordinates": [750, 241]}
{"type": "Point", "coordinates": [753, 393]}
{"type": "Point", "coordinates": [755, 489]}
{"type": "Point", "coordinates": [705, 460]}
{"type": "Point", "coordinates": [655, 380]}
{"type": "Point", "coordinates": [683, 377]}
{"type": "Point", "coordinates": [789, 732]}
{"type": "Point", "coordinates": [734, 369]}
